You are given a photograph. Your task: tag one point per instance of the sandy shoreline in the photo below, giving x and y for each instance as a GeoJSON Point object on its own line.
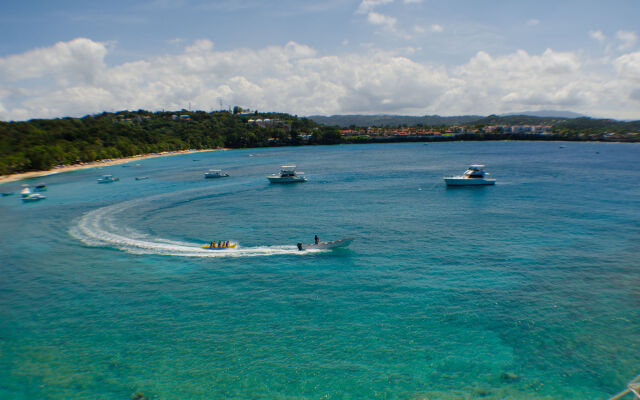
{"type": "Point", "coordinates": [101, 163]}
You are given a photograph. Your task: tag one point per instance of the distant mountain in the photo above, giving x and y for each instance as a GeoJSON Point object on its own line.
{"type": "Point", "coordinates": [547, 113]}
{"type": "Point", "coordinates": [520, 119]}
{"type": "Point", "coordinates": [363, 121]}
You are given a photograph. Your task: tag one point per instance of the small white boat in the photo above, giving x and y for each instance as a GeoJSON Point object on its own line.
{"type": "Point", "coordinates": [25, 192]}
{"type": "Point", "coordinates": [326, 245]}
{"type": "Point", "coordinates": [108, 179]}
{"type": "Point", "coordinates": [33, 197]}
{"type": "Point", "coordinates": [215, 173]}
{"type": "Point", "coordinates": [287, 174]}
{"type": "Point", "coordinates": [473, 176]}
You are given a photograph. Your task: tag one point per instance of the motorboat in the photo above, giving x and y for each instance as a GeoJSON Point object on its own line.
{"type": "Point", "coordinates": [26, 191]}
{"type": "Point", "coordinates": [40, 188]}
{"type": "Point", "coordinates": [474, 175]}
{"type": "Point", "coordinates": [220, 245]}
{"type": "Point", "coordinates": [33, 197]}
{"type": "Point", "coordinates": [287, 174]}
{"type": "Point", "coordinates": [326, 245]}
{"type": "Point", "coordinates": [215, 173]}
{"type": "Point", "coordinates": [108, 179]}
{"type": "Point", "coordinates": [142, 178]}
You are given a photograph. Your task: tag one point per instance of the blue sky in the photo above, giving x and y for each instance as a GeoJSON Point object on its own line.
{"type": "Point", "coordinates": [411, 57]}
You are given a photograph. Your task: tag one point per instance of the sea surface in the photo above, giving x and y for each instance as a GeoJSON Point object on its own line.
{"type": "Point", "coordinates": [528, 289]}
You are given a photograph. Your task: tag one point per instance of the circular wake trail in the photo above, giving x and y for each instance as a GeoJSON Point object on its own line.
{"type": "Point", "coordinates": [101, 227]}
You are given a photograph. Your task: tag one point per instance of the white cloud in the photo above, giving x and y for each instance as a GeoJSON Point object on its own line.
{"type": "Point", "coordinates": [628, 66]}
{"type": "Point", "coordinates": [367, 5]}
{"type": "Point", "coordinates": [78, 60]}
{"type": "Point", "coordinates": [294, 78]}
{"type": "Point", "coordinates": [627, 38]}
{"type": "Point", "coordinates": [597, 35]}
{"type": "Point", "coordinates": [435, 28]}
{"type": "Point", "coordinates": [381, 19]}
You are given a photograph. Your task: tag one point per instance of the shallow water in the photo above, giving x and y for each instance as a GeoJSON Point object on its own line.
{"type": "Point", "coordinates": [527, 289]}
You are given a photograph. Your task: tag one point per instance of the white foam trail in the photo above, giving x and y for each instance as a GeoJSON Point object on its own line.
{"type": "Point", "coordinates": [101, 227]}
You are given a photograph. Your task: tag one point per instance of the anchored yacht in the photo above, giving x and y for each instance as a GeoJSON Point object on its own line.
{"type": "Point", "coordinates": [474, 175]}
{"type": "Point", "coordinates": [287, 174]}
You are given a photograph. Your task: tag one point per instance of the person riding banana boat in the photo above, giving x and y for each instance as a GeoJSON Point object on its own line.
{"type": "Point", "coordinates": [223, 244]}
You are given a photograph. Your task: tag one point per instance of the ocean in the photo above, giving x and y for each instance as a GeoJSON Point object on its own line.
{"type": "Point", "coordinates": [523, 290]}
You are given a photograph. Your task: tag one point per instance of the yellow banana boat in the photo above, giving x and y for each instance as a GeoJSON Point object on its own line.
{"type": "Point", "coordinates": [214, 247]}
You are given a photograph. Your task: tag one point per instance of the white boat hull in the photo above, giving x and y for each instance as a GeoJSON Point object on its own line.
{"type": "Point", "coordinates": [286, 179]}
{"type": "Point", "coordinates": [33, 197]}
{"type": "Point", "coordinates": [328, 245]}
{"type": "Point", "coordinates": [108, 180]}
{"type": "Point", "coordinates": [463, 181]}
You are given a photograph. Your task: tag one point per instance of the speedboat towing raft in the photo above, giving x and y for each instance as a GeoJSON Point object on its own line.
{"type": "Point", "coordinates": [326, 245]}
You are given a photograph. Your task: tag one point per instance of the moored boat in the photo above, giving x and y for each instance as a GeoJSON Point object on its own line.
{"type": "Point", "coordinates": [215, 173]}
{"type": "Point", "coordinates": [33, 197]}
{"type": "Point", "coordinates": [474, 175]}
{"type": "Point", "coordinates": [108, 179]}
{"type": "Point", "coordinates": [287, 174]}
{"type": "Point", "coordinates": [26, 191]}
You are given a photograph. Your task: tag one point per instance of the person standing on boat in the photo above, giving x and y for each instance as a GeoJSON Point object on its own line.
{"type": "Point", "coordinates": [317, 239]}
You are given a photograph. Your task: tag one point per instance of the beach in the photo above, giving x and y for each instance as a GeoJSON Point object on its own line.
{"type": "Point", "coordinates": [101, 163]}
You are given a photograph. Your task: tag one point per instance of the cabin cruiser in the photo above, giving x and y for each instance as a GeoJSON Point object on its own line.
{"type": "Point", "coordinates": [326, 245]}
{"type": "Point", "coordinates": [287, 174]}
{"type": "Point", "coordinates": [474, 175]}
{"type": "Point", "coordinates": [215, 173]}
{"type": "Point", "coordinates": [108, 179]}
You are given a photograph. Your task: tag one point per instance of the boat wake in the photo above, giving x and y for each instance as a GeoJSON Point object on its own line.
{"type": "Point", "coordinates": [103, 227]}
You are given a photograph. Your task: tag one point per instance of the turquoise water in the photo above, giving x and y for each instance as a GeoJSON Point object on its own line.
{"type": "Point", "coordinates": [527, 289]}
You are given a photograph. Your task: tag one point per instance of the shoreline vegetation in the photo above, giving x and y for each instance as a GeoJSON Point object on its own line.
{"type": "Point", "coordinates": [40, 147]}
{"type": "Point", "coordinates": [94, 164]}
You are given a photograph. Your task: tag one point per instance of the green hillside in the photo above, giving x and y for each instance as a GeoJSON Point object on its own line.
{"type": "Point", "coordinates": [41, 144]}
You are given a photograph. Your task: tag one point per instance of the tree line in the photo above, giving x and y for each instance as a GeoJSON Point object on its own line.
{"type": "Point", "coordinates": [41, 144]}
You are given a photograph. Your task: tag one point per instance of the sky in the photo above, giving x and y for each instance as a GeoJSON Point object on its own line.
{"type": "Point", "coordinates": [303, 57]}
